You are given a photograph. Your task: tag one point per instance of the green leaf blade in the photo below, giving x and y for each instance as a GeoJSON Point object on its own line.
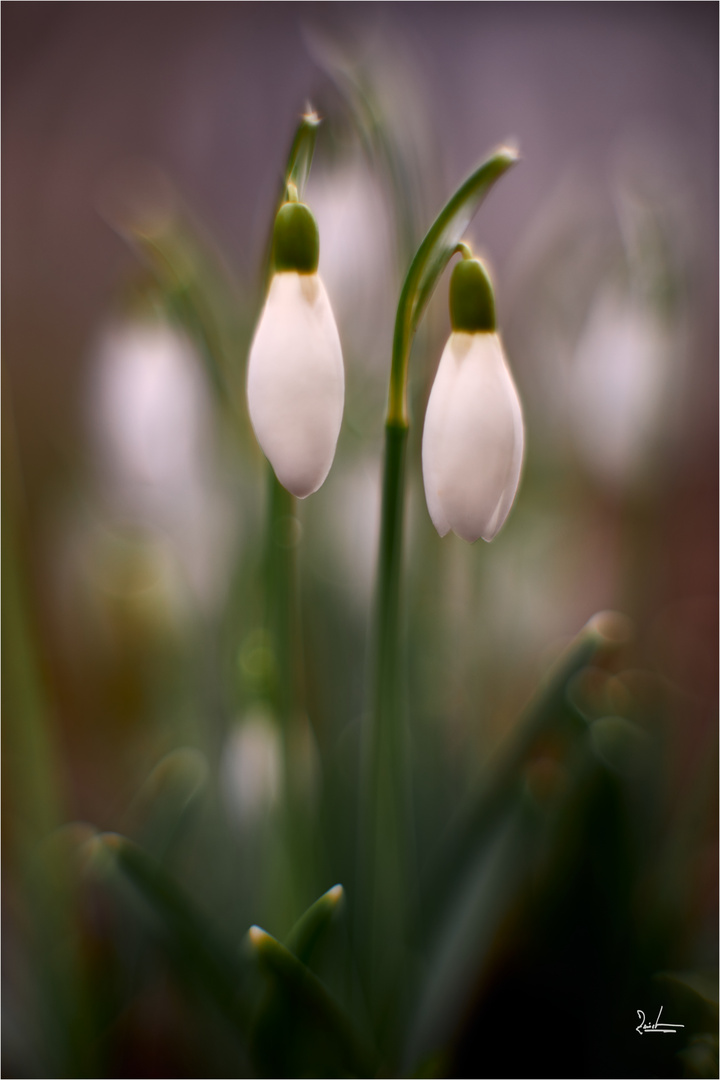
{"type": "Point", "coordinates": [185, 932]}
{"type": "Point", "coordinates": [302, 150]}
{"type": "Point", "coordinates": [303, 1023]}
{"type": "Point", "coordinates": [311, 926]}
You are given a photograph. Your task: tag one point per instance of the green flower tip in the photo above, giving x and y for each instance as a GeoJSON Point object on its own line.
{"type": "Point", "coordinates": [472, 304]}
{"type": "Point", "coordinates": [296, 240]}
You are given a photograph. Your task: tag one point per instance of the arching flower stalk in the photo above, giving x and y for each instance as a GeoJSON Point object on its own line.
{"type": "Point", "coordinates": [386, 851]}
{"type": "Point", "coordinates": [473, 436]}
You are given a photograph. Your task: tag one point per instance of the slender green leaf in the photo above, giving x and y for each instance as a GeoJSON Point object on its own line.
{"type": "Point", "coordinates": [39, 849]}
{"type": "Point", "coordinates": [277, 1011]}
{"type": "Point", "coordinates": [470, 928]}
{"type": "Point", "coordinates": [160, 812]}
{"type": "Point", "coordinates": [192, 283]}
{"type": "Point", "coordinates": [523, 852]}
{"type": "Point", "coordinates": [701, 983]}
{"type": "Point", "coordinates": [202, 956]}
{"type": "Point", "coordinates": [548, 711]}
{"type": "Point", "coordinates": [403, 163]}
{"type": "Point", "coordinates": [311, 926]}
{"type": "Point", "coordinates": [305, 1028]}
{"type": "Point", "coordinates": [301, 151]}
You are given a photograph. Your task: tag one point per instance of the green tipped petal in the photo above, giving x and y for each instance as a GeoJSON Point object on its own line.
{"type": "Point", "coordinates": [472, 304]}
{"type": "Point", "coordinates": [296, 240]}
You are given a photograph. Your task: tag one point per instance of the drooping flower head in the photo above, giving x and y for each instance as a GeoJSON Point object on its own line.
{"type": "Point", "coordinates": [296, 380]}
{"type": "Point", "coordinates": [473, 435]}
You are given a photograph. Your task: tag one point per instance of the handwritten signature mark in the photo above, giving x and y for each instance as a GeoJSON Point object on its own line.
{"type": "Point", "coordinates": [657, 1027]}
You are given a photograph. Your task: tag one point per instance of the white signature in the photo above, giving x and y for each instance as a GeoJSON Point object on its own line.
{"type": "Point", "coordinates": [648, 1029]}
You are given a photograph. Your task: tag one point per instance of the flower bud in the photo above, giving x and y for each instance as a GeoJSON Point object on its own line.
{"type": "Point", "coordinates": [473, 435]}
{"type": "Point", "coordinates": [296, 380]}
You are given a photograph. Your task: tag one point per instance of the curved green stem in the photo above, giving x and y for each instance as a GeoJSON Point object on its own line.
{"type": "Point", "coordinates": [281, 586]}
{"type": "Point", "coordinates": [431, 259]}
{"type": "Point", "coordinates": [386, 844]}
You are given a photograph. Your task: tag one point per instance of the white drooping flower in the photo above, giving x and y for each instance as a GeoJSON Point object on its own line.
{"type": "Point", "coordinates": [473, 436]}
{"type": "Point", "coordinates": [296, 379]}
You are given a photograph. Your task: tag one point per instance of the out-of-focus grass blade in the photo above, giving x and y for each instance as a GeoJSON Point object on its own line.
{"type": "Point", "coordinates": [305, 1028]}
{"type": "Point", "coordinates": [204, 959]}
{"type": "Point", "coordinates": [533, 834]}
{"type": "Point", "coordinates": [166, 800]}
{"type": "Point", "coordinates": [278, 1009]}
{"type": "Point", "coordinates": [547, 711]}
{"type": "Point", "coordinates": [691, 998]}
{"type": "Point", "coordinates": [196, 287]}
{"type": "Point", "coordinates": [311, 926]}
{"type": "Point", "coordinates": [301, 151]}
{"type": "Point", "coordinates": [689, 832]}
{"type": "Point", "coordinates": [698, 989]}
{"type": "Point", "coordinates": [378, 117]}
{"type": "Point", "coordinates": [35, 847]}
{"type": "Point", "coordinates": [601, 636]}
{"type": "Point", "coordinates": [701, 1057]}
{"type": "Point", "coordinates": [472, 922]}
{"type": "Point", "coordinates": [700, 984]}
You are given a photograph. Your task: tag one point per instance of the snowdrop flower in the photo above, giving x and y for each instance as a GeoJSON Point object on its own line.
{"type": "Point", "coordinates": [152, 422]}
{"type": "Point", "coordinates": [473, 437]}
{"type": "Point", "coordinates": [296, 380]}
{"type": "Point", "coordinates": [251, 769]}
{"type": "Point", "coordinates": [619, 392]}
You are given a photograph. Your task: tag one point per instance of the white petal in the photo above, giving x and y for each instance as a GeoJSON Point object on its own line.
{"type": "Point", "coordinates": [432, 443]}
{"type": "Point", "coordinates": [473, 438]}
{"type": "Point", "coordinates": [296, 382]}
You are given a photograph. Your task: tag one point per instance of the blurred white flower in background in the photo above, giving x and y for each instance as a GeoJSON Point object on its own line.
{"type": "Point", "coordinates": [151, 406]}
{"type": "Point", "coordinates": [152, 423]}
{"type": "Point", "coordinates": [355, 254]}
{"type": "Point", "coordinates": [343, 537]}
{"type": "Point", "coordinates": [261, 763]}
{"type": "Point", "coordinates": [251, 770]}
{"type": "Point", "coordinates": [599, 318]}
{"type": "Point", "coordinates": [619, 386]}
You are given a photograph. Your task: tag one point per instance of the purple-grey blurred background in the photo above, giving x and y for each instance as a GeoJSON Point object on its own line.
{"type": "Point", "coordinates": [601, 98]}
